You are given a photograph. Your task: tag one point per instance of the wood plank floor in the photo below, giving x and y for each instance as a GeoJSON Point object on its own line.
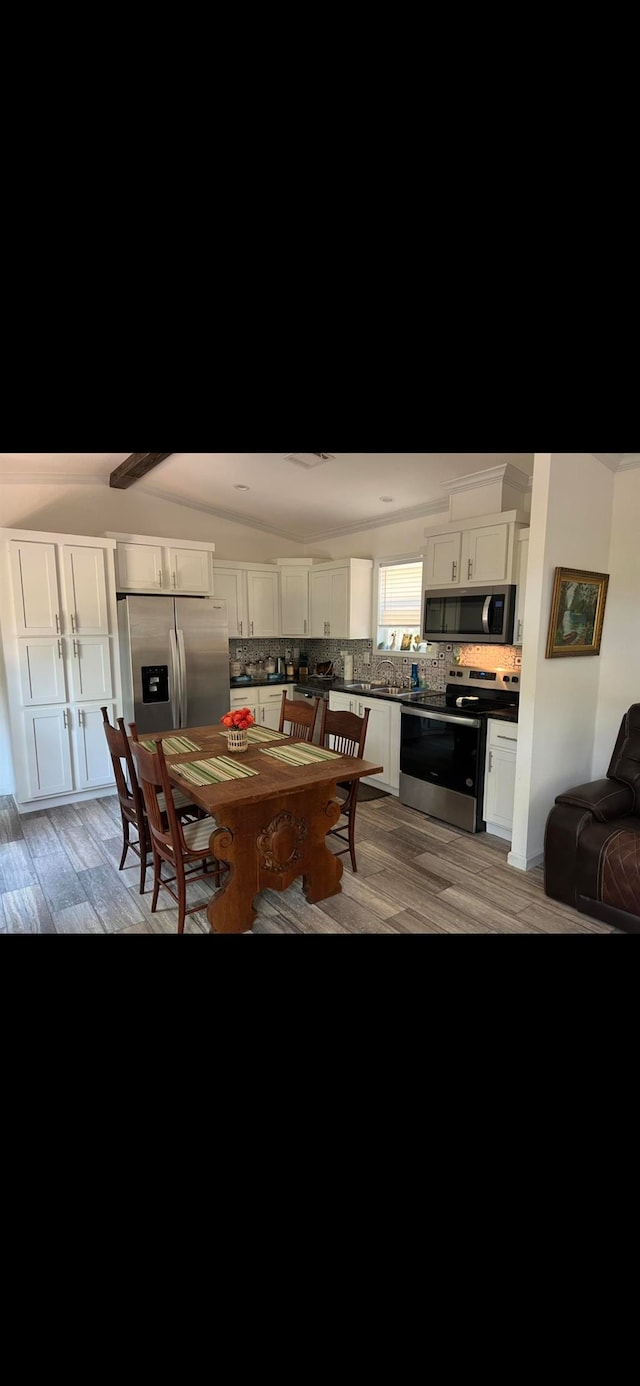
{"type": "Point", "coordinates": [58, 874]}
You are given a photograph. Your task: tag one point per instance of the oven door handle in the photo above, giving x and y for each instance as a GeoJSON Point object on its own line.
{"type": "Point", "coordinates": [440, 717]}
{"type": "Point", "coordinates": [485, 614]}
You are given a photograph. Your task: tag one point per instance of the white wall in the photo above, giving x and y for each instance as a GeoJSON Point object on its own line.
{"type": "Point", "coordinates": [385, 541]}
{"type": "Point", "coordinates": [93, 509]}
{"type": "Point", "coordinates": [620, 656]}
{"type": "Point", "coordinates": [571, 513]}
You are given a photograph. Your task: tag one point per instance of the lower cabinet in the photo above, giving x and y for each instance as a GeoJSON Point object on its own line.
{"type": "Point", "coordinates": [66, 750]}
{"type": "Point", "coordinates": [264, 704]}
{"type": "Point", "coordinates": [383, 734]}
{"type": "Point", "coordinates": [500, 777]}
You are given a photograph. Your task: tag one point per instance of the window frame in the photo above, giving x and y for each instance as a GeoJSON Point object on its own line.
{"type": "Point", "coordinates": [392, 561]}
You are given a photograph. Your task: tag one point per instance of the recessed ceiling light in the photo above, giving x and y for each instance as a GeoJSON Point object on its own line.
{"type": "Point", "coordinates": [241, 488]}
{"type": "Point", "coordinates": [387, 499]}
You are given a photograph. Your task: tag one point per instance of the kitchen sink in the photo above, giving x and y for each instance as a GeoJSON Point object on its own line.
{"type": "Point", "coordinates": [387, 690]}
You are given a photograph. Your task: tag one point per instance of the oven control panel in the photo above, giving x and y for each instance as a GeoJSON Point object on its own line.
{"type": "Point", "coordinates": [493, 678]}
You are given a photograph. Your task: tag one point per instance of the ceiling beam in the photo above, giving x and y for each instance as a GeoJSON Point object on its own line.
{"type": "Point", "coordinates": [135, 467]}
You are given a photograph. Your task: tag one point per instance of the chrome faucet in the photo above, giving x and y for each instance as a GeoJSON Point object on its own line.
{"type": "Point", "coordinates": [380, 663]}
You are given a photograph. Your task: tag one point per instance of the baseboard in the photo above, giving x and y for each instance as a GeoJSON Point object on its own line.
{"type": "Point", "coordinates": [525, 863]}
{"type": "Point", "coordinates": [60, 800]}
{"type": "Point", "coordinates": [495, 830]}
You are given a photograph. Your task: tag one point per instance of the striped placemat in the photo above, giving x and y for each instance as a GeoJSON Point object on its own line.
{"type": "Point", "coordinates": [175, 745]}
{"type": "Point", "coordinates": [214, 771]}
{"type": "Point", "coordinates": [301, 754]}
{"type": "Point", "coordinates": [257, 734]}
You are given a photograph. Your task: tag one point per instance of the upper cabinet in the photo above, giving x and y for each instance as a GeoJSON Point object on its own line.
{"type": "Point", "coordinates": [252, 594]}
{"type": "Point", "coordinates": [263, 596]}
{"type": "Point", "coordinates": [149, 564]}
{"type": "Point", "coordinates": [473, 555]}
{"type": "Point", "coordinates": [294, 600]}
{"type": "Point", "coordinates": [340, 599]}
{"type": "Point", "coordinates": [230, 585]}
{"type": "Point", "coordinates": [523, 563]}
{"type": "Point", "coordinates": [44, 606]}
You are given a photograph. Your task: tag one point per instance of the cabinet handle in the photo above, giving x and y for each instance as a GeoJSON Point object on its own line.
{"type": "Point", "coordinates": [490, 761]}
{"type": "Point", "coordinates": [174, 580]}
{"type": "Point", "coordinates": [252, 627]}
{"type": "Point", "coordinates": [360, 712]}
{"type": "Point", "coordinates": [59, 649]}
{"type": "Point", "coordinates": [350, 705]}
{"type": "Point", "coordinates": [519, 633]}
{"type": "Point", "coordinates": [73, 623]}
{"type": "Point", "coordinates": [57, 623]}
{"type": "Point", "coordinates": [81, 718]}
{"type": "Point", "coordinates": [506, 738]}
{"type": "Point", "coordinates": [240, 624]}
{"type": "Point", "coordinates": [75, 649]}
{"type": "Point", "coordinates": [470, 568]}
{"type": "Point", "coordinates": [305, 628]}
{"type": "Point", "coordinates": [64, 718]}
{"type": "Point", "coordinates": [454, 571]}
{"type": "Point", "coordinates": [160, 583]}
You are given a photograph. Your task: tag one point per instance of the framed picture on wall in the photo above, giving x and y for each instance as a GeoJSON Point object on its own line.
{"type": "Point", "coordinates": [577, 613]}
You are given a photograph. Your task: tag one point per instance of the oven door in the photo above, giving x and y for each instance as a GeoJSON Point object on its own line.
{"type": "Point", "coordinates": [442, 750]}
{"type": "Point", "coordinates": [480, 614]}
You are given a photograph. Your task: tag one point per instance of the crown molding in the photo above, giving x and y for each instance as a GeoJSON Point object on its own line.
{"type": "Point", "coordinates": [414, 512]}
{"type": "Point", "coordinates": [47, 479]}
{"type": "Point", "coordinates": [629, 461]}
{"type": "Point", "coordinates": [250, 521]}
{"type": "Point", "coordinates": [610, 459]}
{"type": "Point", "coordinates": [513, 477]}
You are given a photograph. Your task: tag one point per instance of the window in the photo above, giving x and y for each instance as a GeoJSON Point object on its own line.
{"type": "Point", "coordinates": [400, 597]}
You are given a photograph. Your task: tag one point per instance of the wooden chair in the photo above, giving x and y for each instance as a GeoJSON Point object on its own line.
{"type": "Point", "coordinates": [300, 716]}
{"type": "Point", "coordinates": [346, 733]}
{"type": "Point", "coordinates": [183, 846]}
{"type": "Point", "coordinates": [132, 810]}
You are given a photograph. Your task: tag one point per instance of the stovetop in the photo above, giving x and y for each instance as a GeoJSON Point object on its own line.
{"type": "Point", "coordinates": [486, 692]}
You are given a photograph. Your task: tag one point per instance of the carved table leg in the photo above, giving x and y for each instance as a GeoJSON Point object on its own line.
{"type": "Point", "coordinates": [268, 845]}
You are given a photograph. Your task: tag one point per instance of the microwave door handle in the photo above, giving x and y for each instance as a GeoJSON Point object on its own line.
{"type": "Point", "coordinates": [485, 614]}
{"type": "Point", "coordinates": [175, 681]}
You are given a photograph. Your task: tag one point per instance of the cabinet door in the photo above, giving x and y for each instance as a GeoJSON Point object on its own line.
{"type": "Point", "coordinates": [294, 589]}
{"type": "Point", "coordinates": [442, 560]}
{"type": "Point", "coordinates": [319, 603]}
{"type": "Point", "coordinates": [42, 670]}
{"type": "Point", "coordinates": [93, 762]}
{"type": "Point", "coordinates": [270, 714]}
{"type": "Point", "coordinates": [85, 591]}
{"type": "Point", "coordinates": [339, 605]}
{"type": "Point", "coordinates": [90, 668]}
{"type": "Point", "coordinates": [485, 554]}
{"type": "Point", "coordinates": [523, 563]}
{"type": "Point", "coordinates": [378, 736]}
{"type": "Point", "coordinates": [139, 568]}
{"type": "Point", "coordinates": [263, 593]}
{"type": "Point", "coordinates": [341, 702]}
{"type": "Point", "coordinates": [48, 752]}
{"type": "Point", "coordinates": [500, 787]}
{"type": "Point", "coordinates": [230, 584]}
{"type": "Point", "coordinates": [189, 570]}
{"type": "Point", "coordinates": [35, 588]}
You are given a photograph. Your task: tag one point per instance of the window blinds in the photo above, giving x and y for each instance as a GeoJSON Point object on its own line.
{"type": "Point", "coordinates": [400, 594]}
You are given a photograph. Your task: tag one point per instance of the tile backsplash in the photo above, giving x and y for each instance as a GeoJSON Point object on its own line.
{"type": "Point", "coordinates": [433, 665]}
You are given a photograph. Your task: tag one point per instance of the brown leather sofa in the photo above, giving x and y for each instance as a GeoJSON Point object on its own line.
{"type": "Point", "coordinates": [592, 839]}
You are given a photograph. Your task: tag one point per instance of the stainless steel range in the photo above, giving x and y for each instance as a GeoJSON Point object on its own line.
{"type": "Point", "coordinates": [443, 740]}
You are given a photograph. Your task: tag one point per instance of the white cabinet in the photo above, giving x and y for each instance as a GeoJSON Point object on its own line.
{"type": "Point", "coordinates": [340, 600]}
{"type": "Point", "coordinates": [523, 563]}
{"type": "Point", "coordinates": [190, 571]}
{"type": "Point", "coordinates": [93, 762]}
{"type": "Point", "coordinates": [263, 597]}
{"type": "Point", "coordinates": [442, 560]}
{"type": "Point", "coordinates": [383, 734]}
{"type": "Point", "coordinates": [270, 707]}
{"type": "Point", "coordinates": [294, 597]}
{"type": "Point", "coordinates": [230, 584]}
{"type": "Point", "coordinates": [139, 568]}
{"type": "Point", "coordinates": [146, 563]}
{"type": "Point", "coordinates": [42, 674]}
{"type": "Point", "coordinates": [85, 609]}
{"type": "Point", "coordinates": [35, 588]}
{"type": "Point", "coordinates": [500, 777]}
{"type": "Point", "coordinates": [474, 554]}
{"type": "Point", "coordinates": [484, 556]}
{"type": "Point", "coordinates": [89, 668]}
{"type": "Point", "coordinates": [245, 697]}
{"type": "Point", "coordinates": [48, 751]}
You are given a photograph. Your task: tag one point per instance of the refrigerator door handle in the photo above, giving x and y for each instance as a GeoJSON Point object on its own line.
{"type": "Point", "coordinates": [184, 697]}
{"type": "Point", "coordinates": [175, 680]}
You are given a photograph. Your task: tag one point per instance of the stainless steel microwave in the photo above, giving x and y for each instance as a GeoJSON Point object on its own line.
{"type": "Point", "coordinates": [471, 615]}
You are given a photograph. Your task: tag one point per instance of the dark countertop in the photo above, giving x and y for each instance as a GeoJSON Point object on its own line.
{"type": "Point", "coordinates": [504, 714]}
{"type": "Point", "coordinates": [261, 683]}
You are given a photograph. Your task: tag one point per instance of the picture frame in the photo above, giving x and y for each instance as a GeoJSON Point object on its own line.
{"type": "Point", "coordinates": [577, 613]}
{"type": "Point", "coordinates": [407, 641]}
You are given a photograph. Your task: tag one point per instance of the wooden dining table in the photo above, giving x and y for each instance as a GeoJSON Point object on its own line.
{"type": "Point", "coordinates": [271, 826]}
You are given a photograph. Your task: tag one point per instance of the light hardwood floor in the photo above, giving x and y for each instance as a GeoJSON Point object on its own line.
{"type": "Point", "coordinates": [58, 874]}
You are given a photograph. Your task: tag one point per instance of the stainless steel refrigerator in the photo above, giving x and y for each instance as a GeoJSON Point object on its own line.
{"type": "Point", "coordinates": [174, 654]}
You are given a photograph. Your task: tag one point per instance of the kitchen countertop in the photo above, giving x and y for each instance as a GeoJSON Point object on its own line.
{"type": "Point", "coordinates": [504, 714]}
{"type": "Point", "coordinates": [262, 683]}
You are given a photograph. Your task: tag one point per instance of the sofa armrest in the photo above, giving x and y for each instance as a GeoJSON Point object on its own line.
{"type": "Point", "coordinates": [605, 799]}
